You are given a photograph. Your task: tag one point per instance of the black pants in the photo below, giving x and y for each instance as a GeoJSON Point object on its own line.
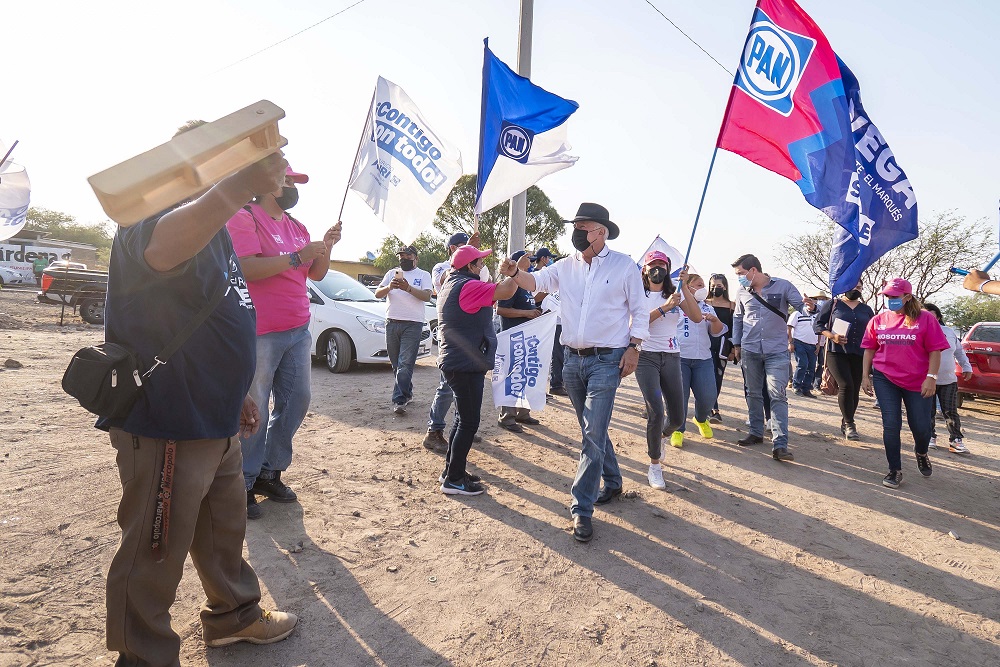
{"type": "Point", "coordinates": [820, 356]}
{"type": "Point", "coordinates": [846, 370]}
{"type": "Point", "coordinates": [948, 395]}
{"type": "Point", "coordinates": [715, 344]}
{"type": "Point", "coordinates": [555, 375]}
{"type": "Point", "coordinates": [468, 389]}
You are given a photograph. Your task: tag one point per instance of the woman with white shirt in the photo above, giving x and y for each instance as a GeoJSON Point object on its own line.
{"type": "Point", "coordinates": [659, 371]}
{"type": "Point", "coordinates": [694, 336]}
{"type": "Point", "coordinates": [947, 385]}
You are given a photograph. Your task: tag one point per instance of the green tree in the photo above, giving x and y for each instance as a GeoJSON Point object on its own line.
{"type": "Point", "coordinates": [542, 227]}
{"type": "Point", "coordinates": [65, 227]}
{"type": "Point", "coordinates": [965, 311]}
{"type": "Point", "coordinates": [945, 240]}
{"type": "Point", "coordinates": [430, 251]}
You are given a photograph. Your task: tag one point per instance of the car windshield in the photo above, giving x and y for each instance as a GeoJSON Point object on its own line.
{"type": "Point", "coordinates": [989, 333]}
{"type": "Point", "coordinates": [340, 287]}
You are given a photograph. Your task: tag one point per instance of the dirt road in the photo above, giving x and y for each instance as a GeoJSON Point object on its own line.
{"type": "Point", "coordinates": [741, 561]}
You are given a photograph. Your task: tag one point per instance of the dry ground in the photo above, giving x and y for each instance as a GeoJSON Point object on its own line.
{"type": "Point", "coordinates": [742, 561]}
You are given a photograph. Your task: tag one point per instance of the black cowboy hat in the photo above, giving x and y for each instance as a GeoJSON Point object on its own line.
{"type": "Point", "coordinates": [595, 213]}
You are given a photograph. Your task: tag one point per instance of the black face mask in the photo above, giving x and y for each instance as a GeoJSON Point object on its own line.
{"type": "Point", "coordinates": [718, 291]}
{"type": "Point", "coordinates": [580, 241]}
{"type": "Point", "coordinates": [407, 264]}
{"type": "Point", "coordinates": [657, 274]}
{"type": "Point", "coordinates": [853, 294]}
{"type": "Point", "coordinates": [288, 199]}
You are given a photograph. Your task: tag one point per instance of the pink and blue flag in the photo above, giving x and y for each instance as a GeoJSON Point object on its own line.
{"type": "Point", "coordinates": [795, 108]}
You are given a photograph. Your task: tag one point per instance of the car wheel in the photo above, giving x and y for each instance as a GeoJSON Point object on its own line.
{"type": "Point", "coordinates": [338, 352]}
{"type": "Point", "coordinates": [92, 311]}
{"type": "Point", "coordinates": [962, 398]}
{"type": "Point", "coordinates": [434, 332]}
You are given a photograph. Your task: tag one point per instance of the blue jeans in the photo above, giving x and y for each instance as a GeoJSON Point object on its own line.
{"type": "Point", "coordinates": [699, 375]}
{"type": "Point", "coordinates": [283, 373]}
{"type": "Point", "coordinates": [805, 365]}
{"type": "Point", "coordinates": [919, 416]}
{"type": "Point", "coordinates": [770, 370]}
{"type": "Point", "coordinates": [402, 339]}
{"type": "Point", "coordinates": [443, 398]}
{"type": "Point", "coordinates": [591, 383]}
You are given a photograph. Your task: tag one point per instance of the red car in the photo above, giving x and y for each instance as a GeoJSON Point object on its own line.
{"type": "Point", "coordinates": [982, 344]}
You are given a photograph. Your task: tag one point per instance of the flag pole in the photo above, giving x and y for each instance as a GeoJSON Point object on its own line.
{"type": "Point", "coordinates": [12, 147]}
{"type": "Point", "coordinates": [354, 162]}
{"type": "Point", "coordinates": [718, 139]}
{"type": "Point", "coordinates": [519, 204]}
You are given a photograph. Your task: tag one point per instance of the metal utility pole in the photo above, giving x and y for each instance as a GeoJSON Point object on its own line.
{"type": "Point", "coordinates": [519, 204]}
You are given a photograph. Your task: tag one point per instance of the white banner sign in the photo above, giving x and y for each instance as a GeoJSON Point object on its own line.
{"type": "Point", "coordinates": [404, 170]}
{"type": "Point", "coordinates": [524, 356]}
{"type": "Point", "coordinates": [21, 258]}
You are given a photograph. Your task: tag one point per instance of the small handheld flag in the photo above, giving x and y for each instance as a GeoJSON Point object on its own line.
{"type": "Point", "coordinates": [522, 136]}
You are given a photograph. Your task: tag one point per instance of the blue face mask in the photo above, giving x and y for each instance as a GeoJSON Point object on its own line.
{"type": "Point", "coordinates": [895, 304]}
{"type": "Point", "coordinates": [744, 281]}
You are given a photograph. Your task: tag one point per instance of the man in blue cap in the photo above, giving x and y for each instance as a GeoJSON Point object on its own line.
{"type": "Point", "coordinates": [444, 397]}
{"type": "Point", "coordinates": [541, 259]}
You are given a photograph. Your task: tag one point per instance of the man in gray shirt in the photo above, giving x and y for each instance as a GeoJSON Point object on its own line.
{"type": "Point", "coordinates": [760, 341]}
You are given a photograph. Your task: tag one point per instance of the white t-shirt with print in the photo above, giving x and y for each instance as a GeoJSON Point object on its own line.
{"type": "Point", "coordinates": [662, 330]}
{"type": "Point", "coordinates": [403, 305]}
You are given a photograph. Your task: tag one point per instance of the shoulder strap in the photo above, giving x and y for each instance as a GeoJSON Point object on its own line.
{"type": "Point", "coordinates": [769, 306]}
{"type": "Point", "coordinates": [189, 328]}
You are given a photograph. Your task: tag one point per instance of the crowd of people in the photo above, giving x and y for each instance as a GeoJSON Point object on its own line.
{"type": "Point", "coordinates": [213, 428]}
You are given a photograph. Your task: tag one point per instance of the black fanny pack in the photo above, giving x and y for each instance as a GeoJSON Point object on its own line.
{"type": "Point", "coordinates": [106, 379]}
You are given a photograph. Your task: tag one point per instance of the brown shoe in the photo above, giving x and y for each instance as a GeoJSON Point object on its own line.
{"type": "Point", "coordinates": [434, 441]}
{"type": "Point", "coordinates": [272, 626]}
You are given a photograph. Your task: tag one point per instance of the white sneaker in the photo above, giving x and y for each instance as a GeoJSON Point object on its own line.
{"type": "Point", "coordinates": [655, 476]}
{"type": "Point", "coordinates": [958, 447]}
{"type": "Point", "coordinates": [932, 444]}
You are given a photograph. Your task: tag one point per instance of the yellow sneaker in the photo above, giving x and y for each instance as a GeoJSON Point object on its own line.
{"type": "Point", "coordinates": [677, 439]}
{"type": "Point", "coordinates": [272, 626]}
{"type": "Point", "coordinates": [705, 428]}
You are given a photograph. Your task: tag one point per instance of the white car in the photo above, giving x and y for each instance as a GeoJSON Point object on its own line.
{"type": "Point", "coordinates": [12, 277]}
{"type": "Point", "coordinates": [347, 323]}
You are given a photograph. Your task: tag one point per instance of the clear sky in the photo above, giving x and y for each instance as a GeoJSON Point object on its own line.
{"type": "Point", "coordinates": [91, 84]}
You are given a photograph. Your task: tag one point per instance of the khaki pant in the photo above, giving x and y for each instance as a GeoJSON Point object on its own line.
{"type": "Point", "coordinates": [509, 415]}
{"type": "Point", "coordinates": [207, 519]}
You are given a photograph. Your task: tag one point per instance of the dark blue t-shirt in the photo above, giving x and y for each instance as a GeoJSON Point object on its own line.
{"type": "Point", "coordinates": [199, 393]}
{"type": "Point", "coordinates": [522, 300]}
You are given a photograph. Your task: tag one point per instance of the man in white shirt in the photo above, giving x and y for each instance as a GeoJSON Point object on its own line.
{"type": "Point", "coordinates": [802, 342]}
{"type": "Point", "coordinates": [604, 322]}
{"type": "Point", "coordinates": [407, 289]}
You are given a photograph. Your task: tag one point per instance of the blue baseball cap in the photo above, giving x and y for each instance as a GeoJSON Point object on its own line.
{"type": "Point", "coordinates": [542, 252]}
{"type": "Point", "coordinates": [517, 255]}
{"type": "Point", "coordinates": [459, 239]}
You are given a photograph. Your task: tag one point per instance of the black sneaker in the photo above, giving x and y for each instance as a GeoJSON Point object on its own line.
{"type": "Point", "coordinates": [782, 454]}
{"type": "Point", "coordinates": [275, 489]}
{"type": "Point", "coordinates": [464, 488]}
{"type": "Point", "coordinates": [469, 476]}
{"type": "Point", "coordinates": [558, 391]}
{"type": "Point", "coordinates": [924, 465]}
{"type": "Point", "coordinates": [851, 432]}
{"type": "Point", "coordinates": [715, 417]}
{"type": "Point", "coordinates": [893, 479]}
{"type": "Point", "coordinates": [750, 440]}
{"type": "Point", "coordinates": [253, 509]}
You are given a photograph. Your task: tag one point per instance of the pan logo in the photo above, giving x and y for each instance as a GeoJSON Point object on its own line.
{"type": "Point", "coordinates": [515, 142]}
{"type": "Point", "coordinates": [772, 64]}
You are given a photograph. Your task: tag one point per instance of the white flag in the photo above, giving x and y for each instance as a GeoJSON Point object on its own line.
{"type": "Point", "coordinates": [404, 170]}
{"type": "Point", "coordinates": [521, 370]}
{"type": "Point", "coordinates": [675, 255]}
{"type": "Point", "coordinates": [15, 196]}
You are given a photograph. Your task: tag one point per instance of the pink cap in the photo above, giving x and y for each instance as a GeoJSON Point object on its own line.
{"type": "Point", "coordinates": [466, 254]}
{"type": "Point", "coordinates": [897, 287]}
{"type": "Point", "coordinates": [654, 255]}
{"type": "Point", "coordinates": [296, 176]}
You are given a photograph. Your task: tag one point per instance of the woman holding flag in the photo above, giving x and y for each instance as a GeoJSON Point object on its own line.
{"type": "Point", "coordinates": [659, 371]}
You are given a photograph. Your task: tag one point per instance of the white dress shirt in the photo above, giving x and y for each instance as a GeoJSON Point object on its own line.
{"type": "Point", "coordinates": [598, 300]}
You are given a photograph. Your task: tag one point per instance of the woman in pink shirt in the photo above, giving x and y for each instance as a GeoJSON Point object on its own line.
{"type": "Point", "coordinates": [902, 356]}
{"type": "Point", "coordinates": [277, 256]}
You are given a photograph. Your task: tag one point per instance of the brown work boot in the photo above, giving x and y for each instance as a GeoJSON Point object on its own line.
{"type": "Point", "coordinates": [272, 626]}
